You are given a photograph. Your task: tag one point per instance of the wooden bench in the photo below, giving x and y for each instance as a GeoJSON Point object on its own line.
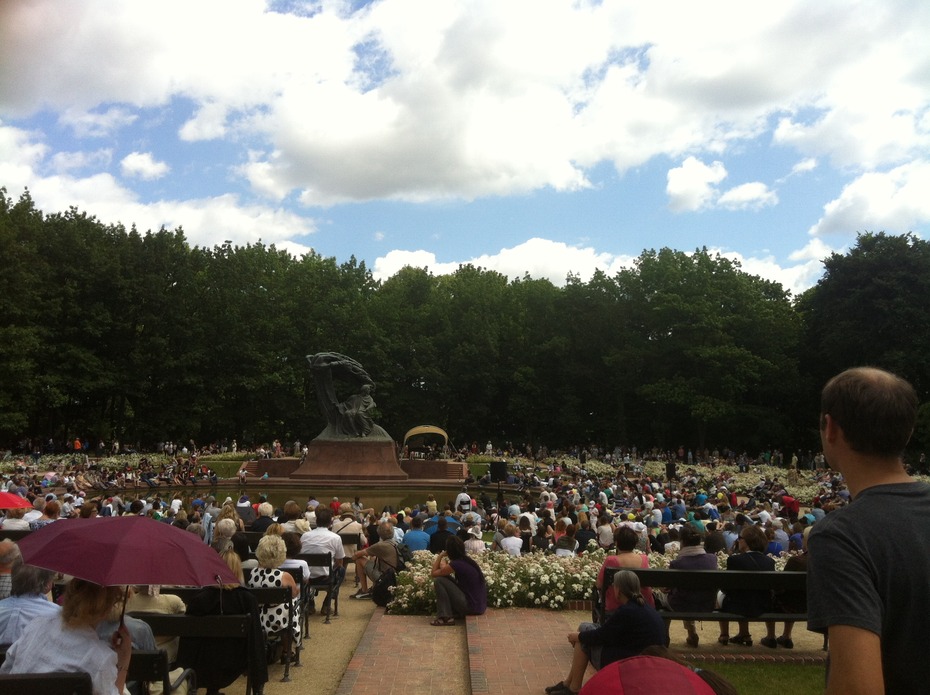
{"type": "Point", "coordinates": [55, 683]}
{"type": "Point", "coordinates": [264, 596]}
{"type": "Point", "coordinates": [273, 596]}
{"type": "Point", "coordinates": [253, 538]}
{"type": "Point", "coordinates": [208, 626]}
{"type": "Point", "coordinates": [14, 534]}
{"type": "Point", "coordinates": [718, 580]}
{"type": "Point", "coordinates": [326, 583]}
{"type": "Point", "coordinates": [151, 666]}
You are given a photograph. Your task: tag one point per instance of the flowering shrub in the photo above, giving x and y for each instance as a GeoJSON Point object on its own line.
{"type": "Point", "coordinates": [529, 581]}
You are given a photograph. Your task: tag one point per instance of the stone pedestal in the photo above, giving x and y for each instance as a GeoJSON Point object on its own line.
{"type": "Point", "coordinates": [350, 459]}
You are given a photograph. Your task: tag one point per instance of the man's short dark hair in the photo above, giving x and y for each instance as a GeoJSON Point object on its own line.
{"type": "Point", "coordinates": [876, 410]}
{"type": "Point", "coordinates": [324, 517]}
{"type": "Point", "coordinates": [416, 522]}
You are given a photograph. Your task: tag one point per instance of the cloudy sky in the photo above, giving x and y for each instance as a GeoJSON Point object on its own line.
{"type": "Point", "coordinates": [533, 136]}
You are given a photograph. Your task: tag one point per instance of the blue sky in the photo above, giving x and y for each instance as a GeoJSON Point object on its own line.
{"type": "Point", "coordinates": [522, 136]}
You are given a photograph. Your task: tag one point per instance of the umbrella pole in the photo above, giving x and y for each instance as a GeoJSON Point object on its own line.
{"type": "Point", "coordinates": [122, 614]}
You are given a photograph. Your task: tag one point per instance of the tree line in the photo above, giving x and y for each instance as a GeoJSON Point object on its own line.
{"type": "Point", "coordinates": [107, 332]}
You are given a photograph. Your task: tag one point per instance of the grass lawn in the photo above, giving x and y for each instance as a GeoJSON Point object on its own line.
{"type": "Point", "coordinates": [770, 679]}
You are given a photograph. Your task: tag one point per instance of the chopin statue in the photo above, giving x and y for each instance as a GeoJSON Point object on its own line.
{"type": "Point", "coordinates": [346, 418]}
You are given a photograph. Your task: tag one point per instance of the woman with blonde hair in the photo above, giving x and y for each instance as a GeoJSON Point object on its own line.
{"type": "Point", "coordinates": [271, 554]}
{"type": "Point", "coordinates": [228, 511]}
{"type": "Point", "coordinates": [70, 643]}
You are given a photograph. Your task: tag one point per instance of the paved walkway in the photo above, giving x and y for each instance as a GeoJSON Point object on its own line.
{"type": "Point", "coordinates": [508, 651]}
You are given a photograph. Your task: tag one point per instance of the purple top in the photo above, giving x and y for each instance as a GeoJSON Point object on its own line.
{"type": "Point", "coordinates": [470, 580]}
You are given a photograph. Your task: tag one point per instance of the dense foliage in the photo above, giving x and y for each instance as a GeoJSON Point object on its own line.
{"type": "Point", "coordinates": [108, 332]}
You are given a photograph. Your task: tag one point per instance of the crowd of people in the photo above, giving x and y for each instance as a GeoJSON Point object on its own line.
{"type": "Point", "coordinates": [694, 516]}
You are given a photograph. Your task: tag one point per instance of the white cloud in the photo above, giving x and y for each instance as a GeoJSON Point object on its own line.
{"type": "Point", "coordinates": [895, 201]}
{"type": "Point", "coordinates": [429, 100]}
{"type": "Point", "coordinates": [86, 124]}
{"type": "Point", "coordinates": [143, 166]}
{"type": "Point", "coordinates": [692, 185]}
{"type": "Point", "coordinates": [482, 102]}
{"type": "Point", "coordinates": [206, 221]}
{"type": "Point", "coordinates": [805, 165]}
{"type": "Point", "coordinates": [207, 124]}
{"type": "Point", "coordinates": [796, 278]}
{"type": "Point", "coordinates": [63, 162]}
{"type": "Point", "coordinates": [748, 196]}
{"type": "Point", "coordinates": [19, 156]}
{"type": "Point", "coordinates": [553, 260]}
{"type": "Point", "coordinates": [541, 258]}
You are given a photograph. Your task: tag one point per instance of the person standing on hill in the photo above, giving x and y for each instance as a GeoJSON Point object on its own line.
{"type": "Point", "coordinates": [867, 581]}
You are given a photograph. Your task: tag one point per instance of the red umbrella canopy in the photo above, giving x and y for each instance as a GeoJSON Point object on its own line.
{"type": "Point", "coordinates": [9, 500]}
{"type": "Point", "coordinates": [646, 675]}
{"type": "Point", "coordinates": [125, 550]}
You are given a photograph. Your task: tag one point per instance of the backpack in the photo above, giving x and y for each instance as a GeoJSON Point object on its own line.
{"type": "Point", "coordinates": [405, 554]}
{"type": "Point", "coordinates": [381, 591]}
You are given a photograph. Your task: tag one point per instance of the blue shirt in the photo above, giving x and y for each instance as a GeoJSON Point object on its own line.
{"type": "Point", "coordinates": [16, 612]}
{"type": "Point", "coordinates": [416, 540]}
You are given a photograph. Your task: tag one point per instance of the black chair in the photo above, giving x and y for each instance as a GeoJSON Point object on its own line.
{"type": "Point", "coordinates": [46, 683]}
{"type": "Point", "coordinates": [353, 540]}
{"type": "Point", "coordinates": [204, 626]}
{"type": "Point", "coordinates": [266, 596]}
{"type": "Point", "coordinates": [151, 666]}
{"type": "Point", "coordinates": [14, 534]}
{"type": "Point", "coordinates": [253, 537]}
{"type": "Point", "coordinates": [327, 583]}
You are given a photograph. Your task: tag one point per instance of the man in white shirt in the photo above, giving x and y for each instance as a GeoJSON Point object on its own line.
{"type": "Point", "coordinates": [323, 540]}
{"type": "Point", "coordinates": [37, 506]}
{"type": "Point", "coordinates": [463, 501]}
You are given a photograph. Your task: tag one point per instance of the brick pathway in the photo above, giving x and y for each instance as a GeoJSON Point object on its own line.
{"type": "Point", "coordinates": [507, 651]}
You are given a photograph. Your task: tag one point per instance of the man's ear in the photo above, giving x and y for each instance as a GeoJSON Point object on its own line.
{"type": "Point", "coordinates": [830, 428]}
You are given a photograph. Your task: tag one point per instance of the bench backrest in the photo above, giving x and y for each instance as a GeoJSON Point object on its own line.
{"type": "Point", "coordinates": [46, 683]}
{"type": "Point", "coordinates": [14, 534]}
{"type": "Point", "coordinates": [254, 537]}
{"type": "Point", "coordinates": [724, 580]}
{"type": "Point", "coordinates": [351, 539]}
{"type": "Point", "coordinates": [175, 625]}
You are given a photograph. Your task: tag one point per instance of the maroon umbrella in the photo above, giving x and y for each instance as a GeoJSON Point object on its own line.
{"type": "Point", "coordinates": [646, 675]}
{"type": "Point", "coordinates": [8, 500]}
{"type": "Point", "coordinates": [113, 551]}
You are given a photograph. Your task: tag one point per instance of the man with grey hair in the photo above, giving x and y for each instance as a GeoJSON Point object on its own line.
{"type": "Point", "coordinates": [264, 520]}
{"type": "Point", "coordinates": [28, 601]}
{"type": "Point", "coordinates": [370, 562]}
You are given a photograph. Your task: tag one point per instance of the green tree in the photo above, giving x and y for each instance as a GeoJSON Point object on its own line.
{"type": "Point", "coordinates": [714, 348]}
{"type": "Point", "coordinates": [871, 308]}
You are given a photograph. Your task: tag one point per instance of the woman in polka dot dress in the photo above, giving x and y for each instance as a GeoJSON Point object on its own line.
{"type": "Point", "coordinates": [270, 553]}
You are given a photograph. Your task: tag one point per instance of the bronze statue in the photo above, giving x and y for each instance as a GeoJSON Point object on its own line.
{"type": "Point", "coordinates": [349, 417]}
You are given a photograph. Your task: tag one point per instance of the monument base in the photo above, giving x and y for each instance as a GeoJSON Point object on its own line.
{"type": "Point", "coordinates": [350, 459]}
